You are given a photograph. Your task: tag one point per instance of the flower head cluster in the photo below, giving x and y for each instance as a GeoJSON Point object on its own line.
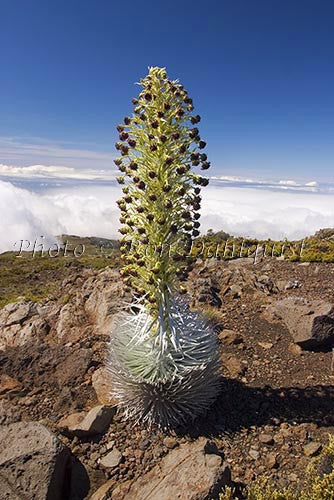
{"type": "Point", "coordinates": [159, 144]}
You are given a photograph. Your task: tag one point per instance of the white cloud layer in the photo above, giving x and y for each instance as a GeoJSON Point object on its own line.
{"type": "Point", "coordinates": [92, 211]}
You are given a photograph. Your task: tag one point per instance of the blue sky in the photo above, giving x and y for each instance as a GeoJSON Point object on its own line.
{"type": "Point", "coordinates": [261, 73]}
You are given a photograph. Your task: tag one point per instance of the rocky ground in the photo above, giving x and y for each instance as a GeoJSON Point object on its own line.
{"type": "Point", "coordinates": [275, 410]}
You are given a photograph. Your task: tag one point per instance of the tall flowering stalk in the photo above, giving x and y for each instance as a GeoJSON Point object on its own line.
{"type": "Point", "coordinates": [163, 357]}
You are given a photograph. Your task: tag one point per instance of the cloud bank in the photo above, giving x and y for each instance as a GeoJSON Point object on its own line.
{"type": "Point", "coordinates": [91, 210]}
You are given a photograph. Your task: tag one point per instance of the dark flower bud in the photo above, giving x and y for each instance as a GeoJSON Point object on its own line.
{"type": "Point", "coordinates": [180, 112]}
{"type": "Point", "coordinates": [127, 120]}
{"type": "Point", "coordinates": [169, 161]}
{"type": "Point", "coordinates": [168, 204]}
{"type": "Point", "coordinates": [188, 100]}
{"type": "Point", "coordinates": [197, 190]}
{"type": "Point", "coordinates": [197, 199]}
{"type": "Point", "coordinates": [128, 199]}
{"type": "Point", "coordinates": [153, 147]}
{"type": "Point", "coordinates": [133, 165]}
{"type": "Point", "coordinates": [155, 124]}
{"type": "Point", "coordinates": [195, 163]}
{"type": "Point", "coordinates": [186, 215]}
{"type": "Point", "coordinates": [120, 128]}
{"type": "Point", "coordinates": [161, 222]}
{"type": "Point", "coordinates": [152, 174]}
{"type": "Point", "coordinates": [142, 116]}
{"type": "Point", "coordinates": [196, 225]}
{"type": "Point", "coordinates": [151, 136]}
{"type": "Point", "coordinates": [125, 189]}
{"type": "Point", "coordinates": [205, 181]}
{"type": "Point", "coordinates": [137, 110]}
{"type": "Point", "coordinates": [124, 149]}
{"type": "Point", "coordinates": [163, 138]}
{"type": "Point", "coordinates": [145, 241]}
{"type": "Point", "coordinates": [166, 106]}
{"type": "Point", "coordinates": [123, 136]}
{"type": "Point", "coordinates": [173, 229]}
{"type": "Point", "coordinates": [194, 156]}
{"type": "Point", "coordinates": [193, 132]}
{"type": "Point", "coordinates": [204, 157]}
{"type": "Point", "coordinates": [136, 179]}
{"type": "Point", "coordinates": [196, 206]}
{"type": "Point", "coordinates": [201, 144]}
{"type": "Point", "coordinates": [183, 149]}
{"type": "Point", "coordinates": [195, 119]}
{"type": "Point", "coordinates": [190, 107]}
{"type": "Point", "coordinates": [196, 216]}
{"type": "Point", "coordinates": [176, 136]}
{"type": "Point", "coordinates": [150, 217]}
{"type": "Point", "coordinates": [141, 185]}
{"type": "Point", "coordinates": [118, 145]}
{"type": "Point", "coordinates": [140, 263]}
{"type": "Point", "coordinates": [134, 101]}
{"type": "Point", "coordinates": [118, 161]}
{"type": "Point", "coordinates": [166, 188]}
{"type": "Point", "coordinates": [195, 232]}
{"type": "Point", "coordinates": [152, 197]}
{"type": "Point", "coordinates": [122, 221]}
{"type": "Point", "coordinates": [188, 226]}
{"type": "Point", "coordinates": [180, 170]}
{"type": "Point", "coordinates": [120, 180]}
{"type": "Point", "coordinates": [140, 210]}
{"type": "Point", "coordinates": [141, 230]}
{"type": "Point", "coordinates": [181, 191]}
{"type": "Point", "coordinates": [123, 230]}
{"type": "Point", "coordinates": [132, 143]}
{"type": "Point", "coordinates": [206, 165]}
{"type": "Point", "coordinates": [148, 96]}
{"type": "Point", "coordinates": [160, 114]}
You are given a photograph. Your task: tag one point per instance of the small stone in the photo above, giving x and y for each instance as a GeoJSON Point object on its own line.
{"type": "Point", "coordinates": [230, 337]}
{"type": "Point", "coordinates": [112, 459]}
{"type": "Point", "coordinates": [9, 384]}
{"type": "Point", "coordinates": [254, 454]}
{"type": "Point", "coordinates": [266, 438]}
{"type": "Point", "coordinates": [170, 442]}
{"type": "Point", "coordinates": [96, 421]}
{"type": "Point", "coordinates": [271, 461]}
{"type": "Point", "coordinates": [295, 349]}
{"type": "Point", "coordinates": [234, 366]}
{"type": "Point", "coordinates": [265, 345]}
{"type": "Point", "coordinates": [312, 449]}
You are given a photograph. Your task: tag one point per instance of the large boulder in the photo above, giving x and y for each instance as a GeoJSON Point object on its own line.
{"type": "Point", "coordinates": [20, 324]}
{"type": "Point", "coordinates": [194, 471]}
{"type": "Point", "coordinates": [311, 323]}
{"type": "Point", "coordinates": [103, 299]}
{"type": "Point", "coordinates": [34, 464]}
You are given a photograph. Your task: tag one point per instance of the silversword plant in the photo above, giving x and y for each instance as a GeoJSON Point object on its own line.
{"type": "Point", "coordinates": [163, 357]}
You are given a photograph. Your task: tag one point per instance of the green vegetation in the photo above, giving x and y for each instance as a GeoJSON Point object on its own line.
{"type": "Point", "coordinates": [319, 483]}
{"type": "Point", "coordinates": [38, 278]}
{"type": "Point", "coordinates": [317, 248]}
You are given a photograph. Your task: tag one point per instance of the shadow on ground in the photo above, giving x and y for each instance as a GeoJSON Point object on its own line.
{"type": "Point", "coordinates": [239, 406]}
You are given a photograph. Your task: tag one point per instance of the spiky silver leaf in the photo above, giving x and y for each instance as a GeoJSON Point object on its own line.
{"type": "Point", "coordinates": [164, 375]}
